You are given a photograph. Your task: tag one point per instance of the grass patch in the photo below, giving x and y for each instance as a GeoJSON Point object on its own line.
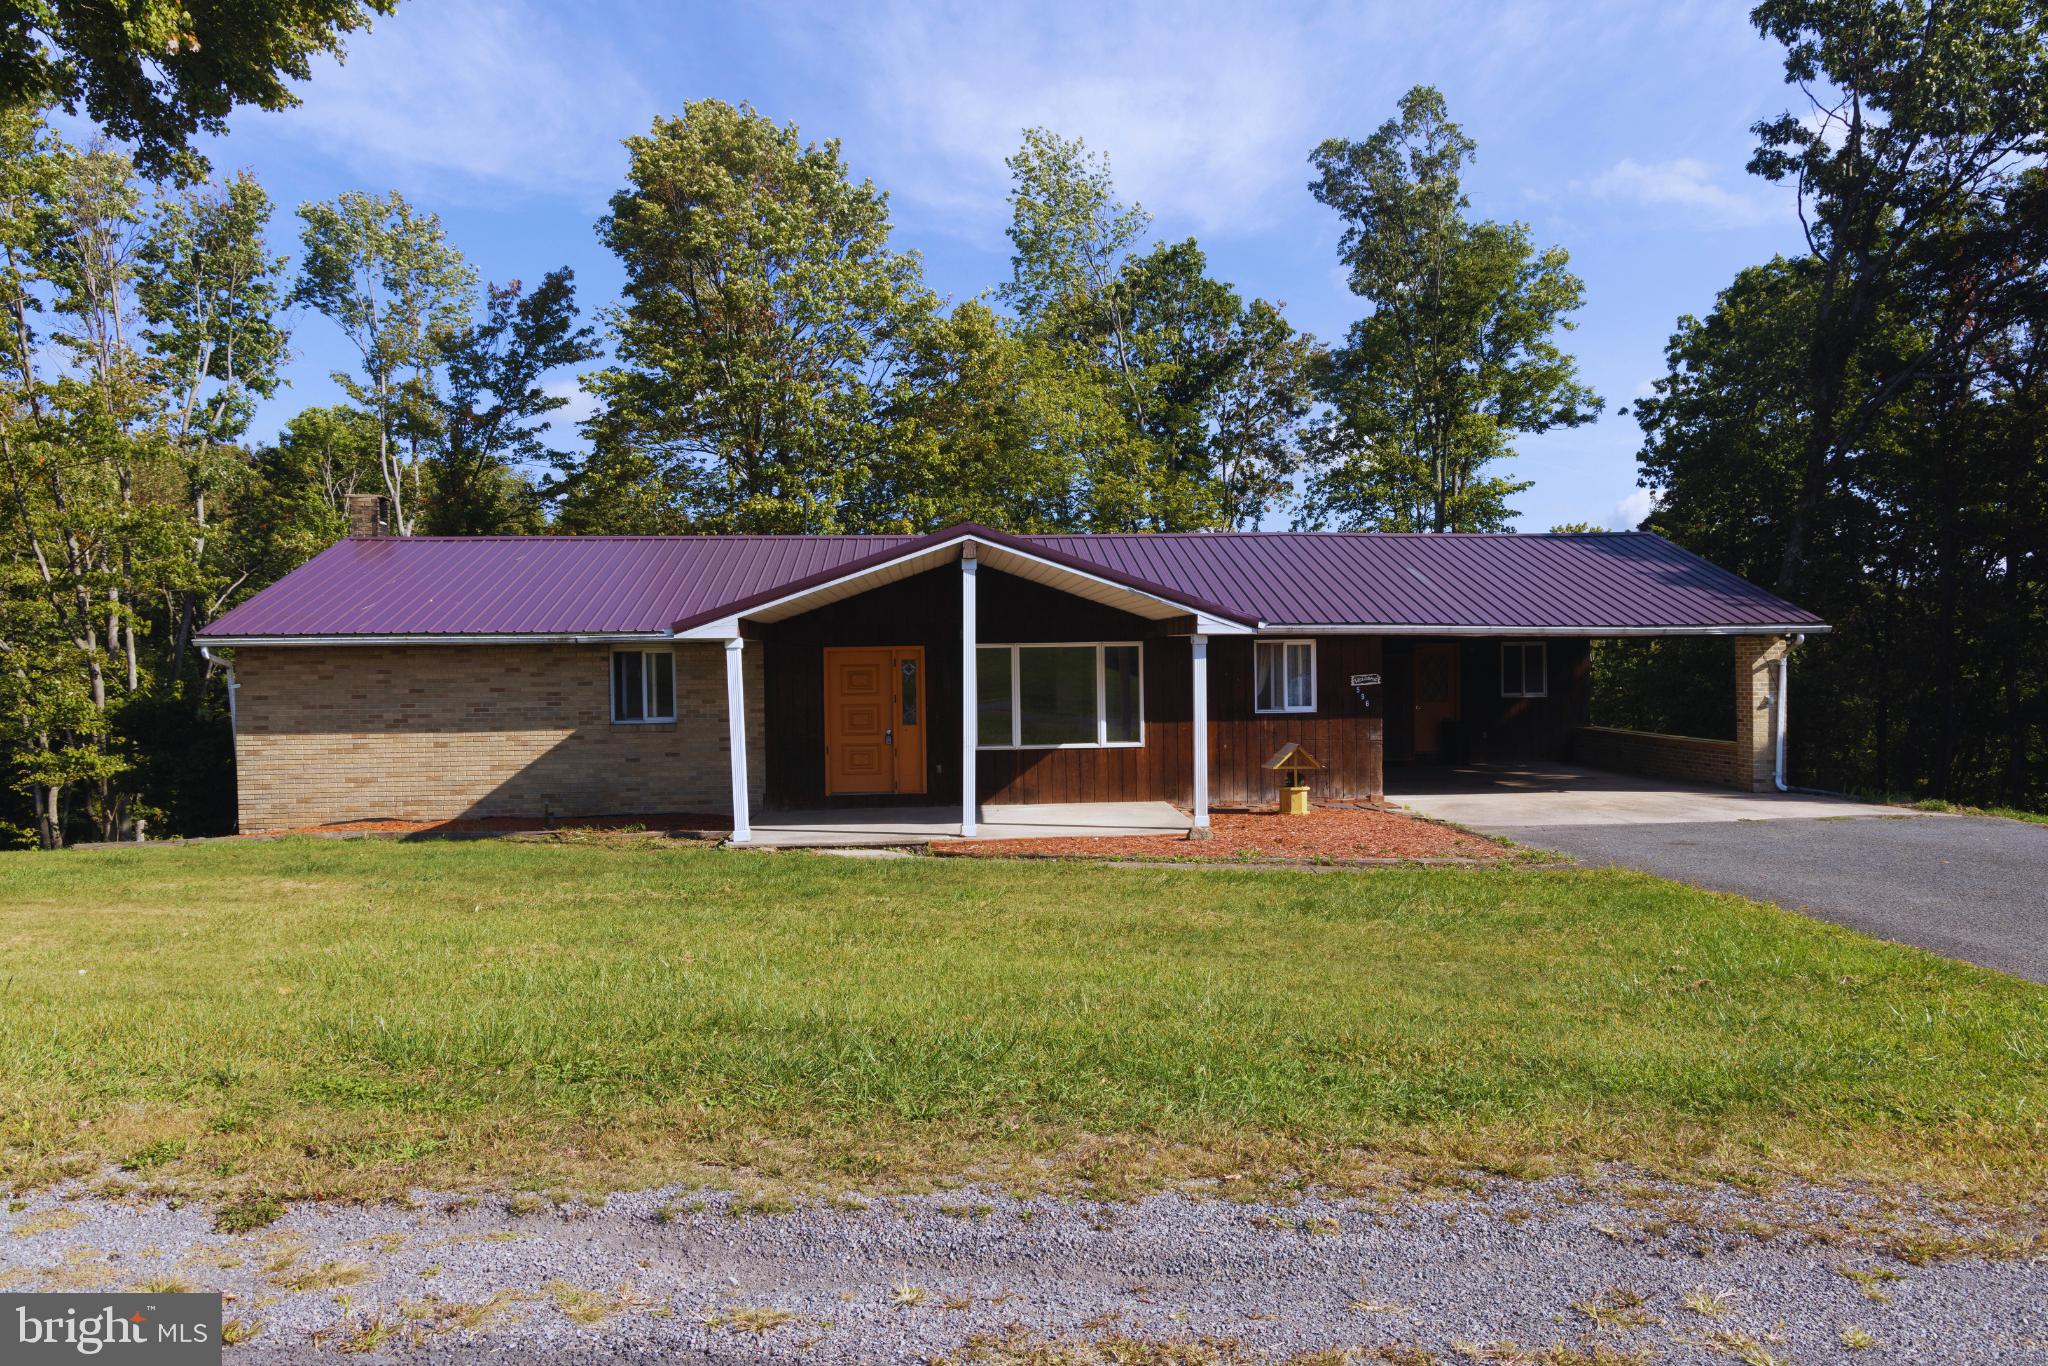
{"type": "Point", "coordinates": [325, 1018]}
{"type": "Point", "coordinates": [588, 1307]}
{"type": "Point", "coordinates": [2011, 813]}
{"type": "Point", "coordinates": [247, 1214]}
{"type": "Point", "coordinates": [55, 1221]}
{"type": "Point", "coordinates": [757, 1320]}
{"type": "Point", "coordinates": [329, 1275]}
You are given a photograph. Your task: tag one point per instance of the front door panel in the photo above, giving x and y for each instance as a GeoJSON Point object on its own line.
{"type": "Point", "coordinates": [1436, 695]}
{"type": "Point", "coordinates": [874, 721]}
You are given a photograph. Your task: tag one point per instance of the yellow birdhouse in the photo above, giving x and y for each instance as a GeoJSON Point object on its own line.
{"type": "Point", "coordinates": [1296, 763]}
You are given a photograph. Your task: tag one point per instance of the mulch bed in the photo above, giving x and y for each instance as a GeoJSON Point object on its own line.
{"type": "Point", "coordinates": [1325, 834]}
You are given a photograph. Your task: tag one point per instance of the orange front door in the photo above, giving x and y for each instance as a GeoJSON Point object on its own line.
{"type": "Point", "coordinates": [874, 720]}
{"type": "Point", "coordinates": [1436, 695]}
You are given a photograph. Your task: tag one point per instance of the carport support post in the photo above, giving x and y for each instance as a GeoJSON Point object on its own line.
{"type": "Point", "coordinates": [969, 731]}
{"type": "Point", "coordinates": [736, 736]}
{"type": "Point", "coordinates": [1200, 649]}
{"type": "Point", "coordinates": [1756, 712]}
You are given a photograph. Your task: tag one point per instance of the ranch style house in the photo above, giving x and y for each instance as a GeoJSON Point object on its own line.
{"type": "Point", "coordinates": [429, 678]}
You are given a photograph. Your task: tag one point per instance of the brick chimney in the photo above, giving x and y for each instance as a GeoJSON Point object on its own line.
{"type": "Point", "coordinates": [365, 516]}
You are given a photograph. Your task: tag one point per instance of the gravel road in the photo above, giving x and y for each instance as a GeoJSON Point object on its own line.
{"type": "Point", "coordinates": [676, 1276]}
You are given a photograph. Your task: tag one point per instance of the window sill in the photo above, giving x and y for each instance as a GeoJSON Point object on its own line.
{"type": "Point", "coordinates": [1524, 696]}
{"type": "Point", "coordinates": [1283, 711]}
{"type": "Point", "coordinates": [668, 722]}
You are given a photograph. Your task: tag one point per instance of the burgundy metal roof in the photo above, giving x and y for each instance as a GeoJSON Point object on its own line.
{"type": "Point", "coordinates": [606, 585]}
{"type": "Point", "coordinates": [1339, 578]}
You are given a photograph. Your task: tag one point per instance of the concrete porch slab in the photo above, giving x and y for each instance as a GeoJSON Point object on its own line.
{"type": "Point", "coordinates": [1505, 796]}
{"type": "Point", "coordinates": [849, 828]}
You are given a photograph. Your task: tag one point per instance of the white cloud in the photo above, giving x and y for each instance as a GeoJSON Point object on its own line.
{"type": "Point", "coordinates": [1206, 114]}
{"type": "Point", "coordinates": [562, 422]}
{"type": "Point", "coordinates": [492, 96]}
{"type": "Point", "coordinates": [1684, 184]}
{"type": "Point", "coordinates": [1629, 512]}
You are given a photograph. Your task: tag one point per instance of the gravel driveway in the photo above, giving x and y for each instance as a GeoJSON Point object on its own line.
{"type": "Point", "coordinates": [1970, 887]}
{"type": "Point", "coordinates": [1677, 1274]}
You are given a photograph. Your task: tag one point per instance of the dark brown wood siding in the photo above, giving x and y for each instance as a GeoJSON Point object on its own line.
{"type": "Point", "coordinates": [1496, 729]}
{"type": "Point", "coordinates": [1344, 732]}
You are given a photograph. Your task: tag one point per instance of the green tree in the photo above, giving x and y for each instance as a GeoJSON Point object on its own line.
{"type": "Point", "coordinates": [966, 440]}
{"type": "Point", "coordinates": [1183, 403]}
{"type": "Point", "coordinates": [1927, 554]}
{"type": "Point", "coordinates": [494, 418]}
{"type": "Point", "coordinates": [156, 72]}
{"type": "Point", "coordinates": [1224, 390]}
{"type": "Point", "coordinates": [387, 276]}
{"type": "Point", "coordinates": [765, 319]}
{"type": "Point", "coordinates": [296, 502]}
{"type": "Point", "coordinates": [1070, 237]}
{"type": "Point", "coordinates": [211, 293]}
{"type": "Point", "coordinates": [1917, 112]}
{"type": "Point", "coordinates": [92, 490]}
{"type": "Point", "coordinates": [1457, 356]}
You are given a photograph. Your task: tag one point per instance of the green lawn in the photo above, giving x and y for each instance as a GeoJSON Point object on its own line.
{"type": "Point", "coordinates": [311, 1016]}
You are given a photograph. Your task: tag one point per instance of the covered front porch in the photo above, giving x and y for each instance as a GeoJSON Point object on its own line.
{"type": "Point", "coordinates": [973, 688]}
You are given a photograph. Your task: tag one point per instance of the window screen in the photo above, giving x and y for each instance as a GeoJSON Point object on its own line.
{"type": "Point", "coordinates": [643, 685]}
{"type": "Point", "coordinates": [1522, 669]}
{"type": "Point", "coordinates": [1284, 675]}
{"type": "Point", "coordinates": [1056, 694]}
{"type": "Point", "coordinates": [1038, 696]}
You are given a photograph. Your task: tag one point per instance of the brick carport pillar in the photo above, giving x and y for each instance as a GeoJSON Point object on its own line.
{"type": "Point", "coordinates": [1756, 711]}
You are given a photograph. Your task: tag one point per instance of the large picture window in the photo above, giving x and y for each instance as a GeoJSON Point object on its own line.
{"type": "Point", "coordinates": [643, 685]}
{"type": "Point", "coordinates": [1284, 675]}
{"type": "Point", "coordinates": [1058, 696]}
{"type": "Point", "coordinates": [1522, 669]}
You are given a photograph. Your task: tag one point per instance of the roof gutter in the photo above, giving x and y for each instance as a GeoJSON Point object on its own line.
{"type": "Point", "coordinates": [446, 638]}
{"type": "Point", "coordinates": [1369, 629]}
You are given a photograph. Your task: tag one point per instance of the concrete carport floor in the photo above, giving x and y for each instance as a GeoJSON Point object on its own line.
{"type": "Point", "coordinates": [1484, 796]}
{"type": "Point", "coordinates": [1969, 887]}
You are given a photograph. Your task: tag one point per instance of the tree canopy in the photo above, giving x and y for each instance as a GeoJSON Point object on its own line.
{"type": "Point", "coordinates": [1457, 355]}
{"type": "Point", "coordinates": [156, 73]}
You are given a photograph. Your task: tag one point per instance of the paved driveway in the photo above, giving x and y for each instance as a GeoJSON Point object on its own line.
{"type": "Point", "coordinates": [1970, 887]}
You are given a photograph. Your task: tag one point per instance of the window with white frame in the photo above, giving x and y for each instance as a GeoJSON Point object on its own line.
{"type": "Point", "coordinates": [1284, 675]}
{"type": "Point", "coordinates": [643, 685]}
{"type": "Point", "coordinates": [1524, 669]}
{"type": "Point", "coordinates": [1068, 696]}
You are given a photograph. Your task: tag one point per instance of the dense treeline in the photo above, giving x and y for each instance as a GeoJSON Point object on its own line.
{"type": "Point", "coordinates": [1861, 426]}
{"type": "Point", "coordinates": [1858, 426]}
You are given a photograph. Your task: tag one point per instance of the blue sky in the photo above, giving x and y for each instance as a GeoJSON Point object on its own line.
{"type": "Point", "coordinates": [1618, 130]}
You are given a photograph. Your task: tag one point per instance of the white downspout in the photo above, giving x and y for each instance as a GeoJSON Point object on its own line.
{"type": "Point", "coordinates": [1784, 709]}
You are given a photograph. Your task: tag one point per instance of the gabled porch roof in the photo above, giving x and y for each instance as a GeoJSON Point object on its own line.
{"type": "Point", "coordinates": [997, 550]}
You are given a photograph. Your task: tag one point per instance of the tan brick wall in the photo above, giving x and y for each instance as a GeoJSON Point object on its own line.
{"type": "Point", "coordinates": [1684, 758]}
{"type": "Point", "coordinates": [1756, 681]}
{"type": "Point", "coordinates": [433, 732]}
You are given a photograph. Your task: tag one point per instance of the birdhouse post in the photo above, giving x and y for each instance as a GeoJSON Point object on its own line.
{"type": "Point", "coordinates": [1296, 763]}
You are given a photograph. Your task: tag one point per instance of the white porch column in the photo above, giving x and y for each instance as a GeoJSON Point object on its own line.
{"type": "Point", "coordinates": [1201, 721]}
{"type": "Point", "coordinates": [968, 725]}
{"type": "Point", "coordinates": [736, 737]}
